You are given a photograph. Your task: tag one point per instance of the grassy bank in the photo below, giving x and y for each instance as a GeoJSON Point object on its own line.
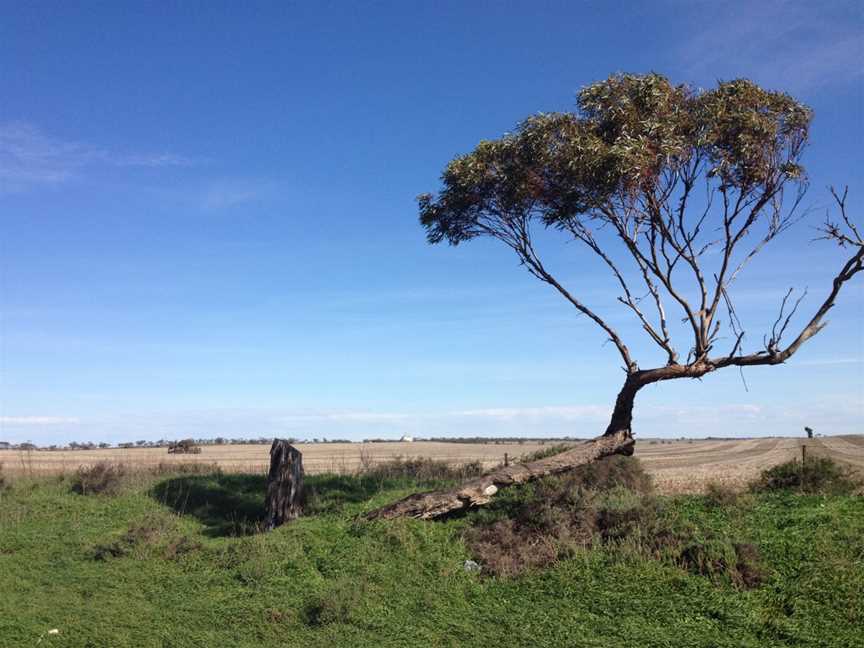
{"type": "Point", "coordinates": [175, 560]}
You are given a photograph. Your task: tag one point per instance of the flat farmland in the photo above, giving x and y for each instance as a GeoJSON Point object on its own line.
{"type": "Point", "coordinates": [687, 466]}
{"type": "Point", "coordinates": [246, 458]}
{"type": "Point", "coordinates": [681, 466]}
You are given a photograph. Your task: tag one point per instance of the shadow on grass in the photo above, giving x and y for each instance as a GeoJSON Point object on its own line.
{"type": "Point", "coordinates": [233, 505]}
{"type": "Point", "coordinates": [228, 505]}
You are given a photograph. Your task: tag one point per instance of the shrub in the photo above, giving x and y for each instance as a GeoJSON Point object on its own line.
{"type": "Point", "coordinates": [543, 453]}
{"type": "Point", "coordinates": [186, 468]}
{"type": "Point", "coordinates": [186, 446]}
{"type": "Point", "coordinates": [532, 525]}
{"type": "Point", "coordinates": [607, 503]}
{"type": "Point", "coordinates": [721, 495]}
{"type": "Point", "coordinates": [617, 470]}
{"type": "Point", "coordinates": [506, 548]}
{"type": "Point", "coordinates": [103, 478]}
{"type": "Point", "coordinates": [818, 475]}
{"type": "Point", "coordinates": [422, 469]}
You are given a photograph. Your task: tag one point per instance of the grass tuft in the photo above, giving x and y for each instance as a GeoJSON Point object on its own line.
{"type": "Point", "coordinates": [103, 478]}
{"type": "Point", "coordinates": [421, 469]}
{"type": "Point", "coordinates": [721, 495]}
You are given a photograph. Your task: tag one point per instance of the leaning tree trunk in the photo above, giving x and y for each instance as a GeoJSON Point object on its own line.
{"type": "Point", "coordinates": [284, 484]}
{"type": "Point", "coordinates": [479, 491]}
{"type": "Point", "coordinates": [618, 439]}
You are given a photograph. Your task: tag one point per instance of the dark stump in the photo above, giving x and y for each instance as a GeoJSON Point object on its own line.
{"type": "Point", "coordinates": [284, 484]}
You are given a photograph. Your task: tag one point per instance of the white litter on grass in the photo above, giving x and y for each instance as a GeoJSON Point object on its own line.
{"type": "Point", "coordinates": [52, 631]}
{"type": "Point", "coordinates": [471, 566]}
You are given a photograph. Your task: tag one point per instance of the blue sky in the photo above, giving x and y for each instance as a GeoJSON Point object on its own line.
{"type": "Point", "coordinates": [209, 224]}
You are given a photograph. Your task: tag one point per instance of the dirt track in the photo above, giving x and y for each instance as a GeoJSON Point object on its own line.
{"type": "Point", "coordinates": [677, 466]}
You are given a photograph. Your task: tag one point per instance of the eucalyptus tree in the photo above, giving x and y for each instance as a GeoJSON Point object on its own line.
{"type": "Point", "coordinates": [673, 191]}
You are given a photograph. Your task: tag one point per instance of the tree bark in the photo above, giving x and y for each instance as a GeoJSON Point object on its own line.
{"type": "Point", "coordinates": [480, 490]}
{"type": "Point", "coordinates": [284, 500]}
{"type": "Point", "coordinates": [622, 415]}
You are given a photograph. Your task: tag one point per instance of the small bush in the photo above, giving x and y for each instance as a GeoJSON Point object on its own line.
{"type": "Point", "coordinates": [533, 525]}
{"type": "Point", "coordinates": [606, 503]}
{"type": "Point", "coordinates": [186, 468]}
{"type": "Point", "coordinates": [615, 471]}
{"type": "Point", "coordinates": [543, 453]}
{"type": "Point", "coordinates": [103, 478]}
{"type": "Point", "coordinates": [186, 446]}
{"type": "Point", "coordinates": [721, 495]}
{"type": "Point", "coordinates": [819, 475]}
{"type": "Point", "coordinates": [506, 548]}
{"type": "Point", "coordinates": [422, 469]}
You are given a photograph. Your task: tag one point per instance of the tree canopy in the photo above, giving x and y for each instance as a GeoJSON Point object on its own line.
{"type": "Point", "coordinates": [632, 159]}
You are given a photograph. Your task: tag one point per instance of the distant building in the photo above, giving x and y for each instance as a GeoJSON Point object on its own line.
{"type": "Point", "coordinates": [5, 445]}
{"type": "Point", "coordinates": [407, 439]}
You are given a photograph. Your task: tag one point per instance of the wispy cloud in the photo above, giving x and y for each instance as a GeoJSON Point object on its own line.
{"type": "Point", "coordinates": [347, 417]}
{"type": "Point", "coordinates": [30, 157]}
{"type": "Point", "coordinates": [228, 193]}
{"type": "Point", "coordinates": [38, 420]}
{"type": "Point", "coordinates": [563, 413]}
{"type": "Point", "coordinates": [788, 44]}
{"type": "Point", "coordinates": [828, 362]}
{"type": "Point", "coordinates": [839, 415]}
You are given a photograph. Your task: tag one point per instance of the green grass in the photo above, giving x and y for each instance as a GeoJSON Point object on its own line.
{"type": "Point", "coordinates": [176, 561]}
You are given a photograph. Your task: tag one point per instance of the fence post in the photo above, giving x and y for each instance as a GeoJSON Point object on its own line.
{"type": "Point", "coordinates": [506, 460]}
{"type": "Point", "coordinates": [803, 465]}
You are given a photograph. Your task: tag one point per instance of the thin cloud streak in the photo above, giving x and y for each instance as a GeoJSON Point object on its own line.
{"type": "Point", "coordinates": [39, 420]}
{"type": "Point", "coordinates": [839, 416]}
{"type": "Point", "coordinates": [794, 45]}
{"type": "Point", "coordinates": [30, 158]}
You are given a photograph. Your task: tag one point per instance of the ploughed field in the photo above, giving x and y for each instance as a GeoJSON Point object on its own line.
{"type": "Point", "coordinates": [680, 466]}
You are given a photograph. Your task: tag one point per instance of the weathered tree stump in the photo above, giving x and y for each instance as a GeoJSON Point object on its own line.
{"type": "Point", "coordinates": [284, 484]}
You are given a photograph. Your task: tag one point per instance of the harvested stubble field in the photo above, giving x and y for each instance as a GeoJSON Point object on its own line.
{"type": "Point", "coordinates": [680, 466]}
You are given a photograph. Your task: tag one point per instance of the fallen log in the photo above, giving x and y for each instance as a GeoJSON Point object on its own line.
{"type": "Point", "coordinates": [284, 500]}
{"type": "Point", "coordinates": [480, 490]}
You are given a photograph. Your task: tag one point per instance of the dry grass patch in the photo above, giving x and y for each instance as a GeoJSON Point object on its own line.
{"type": "Point", "coordinates": [103, 478]}
{"type": "Point", "coordinates": [422, 469]}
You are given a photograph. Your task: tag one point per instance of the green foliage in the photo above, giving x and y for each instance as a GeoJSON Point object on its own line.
{"type": "Point", "coordinates": [329, 580]}
{"type": "Point", "coordinates": [421, 469]}
{"type": "Point", "coordinates": [818, 475]}
{"type": "Point", "coordinates": [628, 132]}
{"type": "Point", "coordinates": [543, 453]}
{"type": "Point", "coordinates": [607, 503]}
